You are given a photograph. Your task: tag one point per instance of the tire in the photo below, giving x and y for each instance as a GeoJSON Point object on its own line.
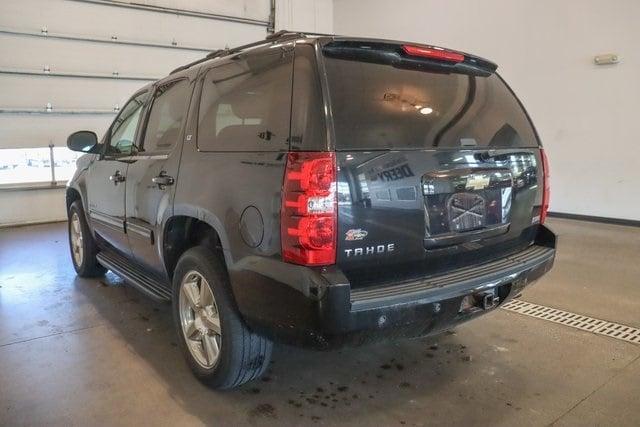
{"type": "Point", "coordinates": [242, 355]}
{"type": "Point", "coordinates": [81, 239]}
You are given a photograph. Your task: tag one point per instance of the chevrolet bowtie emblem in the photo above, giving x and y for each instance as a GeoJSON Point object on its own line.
{"type": "Point", "coordinates": [478, 182]}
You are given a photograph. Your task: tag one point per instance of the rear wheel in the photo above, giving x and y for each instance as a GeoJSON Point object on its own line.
{"type": "Point", "coordinates": [199, 319]}
{"type": "Point", "coordinates": [82, 244]}
{"type": "Point", "coordinates": [220, 349]}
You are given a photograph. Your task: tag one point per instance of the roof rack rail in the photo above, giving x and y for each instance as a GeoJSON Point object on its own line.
{"type": "Point", "coordinates": [209, 56]}
{"type": "Point", "coordinates": [283, 34]}
{"type": "Point", "coordinates": [308, 33]}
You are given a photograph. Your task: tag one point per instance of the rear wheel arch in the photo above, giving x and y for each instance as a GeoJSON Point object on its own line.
{"type": "Point", "coordinates": [182, 232]}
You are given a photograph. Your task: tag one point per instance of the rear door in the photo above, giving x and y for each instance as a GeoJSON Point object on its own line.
{"type": "Point", "coordinates": [153, 170]}
{"type": "Point", "coordinates": [439, 165]}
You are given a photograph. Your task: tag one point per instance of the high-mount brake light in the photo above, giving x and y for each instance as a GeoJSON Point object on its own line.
{"type": "Point", "coordinates": [308, 222]}
{"type": "Point", "coordinates": [546, 188]}
{"type": "Point", "coordinates": [433, 53]}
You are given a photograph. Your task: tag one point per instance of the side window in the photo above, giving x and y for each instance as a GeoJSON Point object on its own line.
{"type": "Point", "coordinates": [167, 114]}
{"type": "Point", "coordinates": [246, 104]}
{"type": "Point", "coordinates": [123, 130]}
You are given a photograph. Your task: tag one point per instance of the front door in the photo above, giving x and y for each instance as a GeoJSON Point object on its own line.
{"type": "Point", "coordinates": [106, 177]}
{"type": "Point", "coordinates": [152, 173]}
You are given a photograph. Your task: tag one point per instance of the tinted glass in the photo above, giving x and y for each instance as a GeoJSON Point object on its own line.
{"type": "Point", "coordinates": [123, 130]}
{"type": "Point", "coordinates": [245, 105]}
{"type": "Point", "coordinates": [380, 106]}
{"type": "Point", "coordinates": [167, 115]}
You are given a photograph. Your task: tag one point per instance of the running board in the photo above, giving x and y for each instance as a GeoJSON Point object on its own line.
{"type": "Point", "coordinates": [133, 275]}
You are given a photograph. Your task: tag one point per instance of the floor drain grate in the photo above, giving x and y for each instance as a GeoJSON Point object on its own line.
{"type": "Point", "coordinates": [578, 321]}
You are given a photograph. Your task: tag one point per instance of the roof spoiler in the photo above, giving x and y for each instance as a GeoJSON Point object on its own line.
{"type": "Point", "coordinates": [405, 55]}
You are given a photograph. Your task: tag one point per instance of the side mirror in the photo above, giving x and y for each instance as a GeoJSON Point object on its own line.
{"type": "Point", "coordinates": [83, 141]}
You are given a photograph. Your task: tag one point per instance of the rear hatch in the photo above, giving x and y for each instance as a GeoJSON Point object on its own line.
{"type": "Point", "coordinates": [439, 166]}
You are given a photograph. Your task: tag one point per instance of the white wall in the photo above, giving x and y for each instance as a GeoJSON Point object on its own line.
{"type": "Point", "coordinates": [305, 15]}
{"type": "Point", "coordinates": [586, 114]}
{"type": "Point", "coordinates": [32, 206]}
{"type": "Point", "coordinates": [103, 21]}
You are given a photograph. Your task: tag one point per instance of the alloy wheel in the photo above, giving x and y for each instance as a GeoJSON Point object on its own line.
{"type": "Point", "coordinates": [200, 319]}
{"type": "Point", "coordinates": [75, 232]}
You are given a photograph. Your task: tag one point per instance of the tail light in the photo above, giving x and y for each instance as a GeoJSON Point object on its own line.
{"type": "Point", "coordinates": [308, 223]}
{"type": "Point", "coordinates": [546, 189]}
{"type": "Point", "coordinates": [436, 53]}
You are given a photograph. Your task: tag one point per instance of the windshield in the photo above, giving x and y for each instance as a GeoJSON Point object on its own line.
{"type": "Point", "coordinates": [383, 105]}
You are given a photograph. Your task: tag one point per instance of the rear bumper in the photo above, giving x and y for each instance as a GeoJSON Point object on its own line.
{"type": "Point", "coordinates": [334, 316]}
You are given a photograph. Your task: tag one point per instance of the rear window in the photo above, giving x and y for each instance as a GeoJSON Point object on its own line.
{"type": "Point", "coordinates": [386, 106]}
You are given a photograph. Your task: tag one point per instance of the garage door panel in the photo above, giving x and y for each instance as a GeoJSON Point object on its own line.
{"type": "Point", "coordinates": [29, 130]}
{"type": "Point", "coordinates": [126, 23]}
{"type": "Point", "coordinates": [62, 55]}
{"type": "Point", "coordinates": [36, 91]}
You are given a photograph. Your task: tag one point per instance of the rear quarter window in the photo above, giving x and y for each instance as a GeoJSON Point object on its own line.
{"type": "Point", "coordinates": [245, 104]}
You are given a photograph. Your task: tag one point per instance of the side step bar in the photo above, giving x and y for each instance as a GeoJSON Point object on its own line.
{"type": "Point", "coordinates": [133, 275]}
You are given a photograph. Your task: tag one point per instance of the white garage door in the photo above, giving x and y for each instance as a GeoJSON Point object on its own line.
{"type": "Point", "coordinates": [69, 64]}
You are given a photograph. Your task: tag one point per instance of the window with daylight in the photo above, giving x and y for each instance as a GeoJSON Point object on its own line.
{"type": "Point", "coordinates": [33, 165]}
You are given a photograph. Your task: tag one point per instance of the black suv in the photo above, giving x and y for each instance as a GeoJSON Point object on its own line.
{"type": "Point", "coordinates": [315, 190]}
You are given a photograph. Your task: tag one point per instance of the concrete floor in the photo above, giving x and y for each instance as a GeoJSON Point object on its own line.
{"type": "Point", "coordinates": [96, 352]}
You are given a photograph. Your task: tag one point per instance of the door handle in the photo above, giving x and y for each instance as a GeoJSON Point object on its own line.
{"type": "Point", "coordinates": [162, 180]}
{"type": "Point", "coordinates": [116, 178]}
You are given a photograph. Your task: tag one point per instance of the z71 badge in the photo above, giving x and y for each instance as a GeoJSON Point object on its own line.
{"type": "Point", "coordinates": [356, 234]}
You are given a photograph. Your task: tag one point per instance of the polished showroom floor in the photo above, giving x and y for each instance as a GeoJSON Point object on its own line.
{"type": "Point", "coordinates": [97, 352]}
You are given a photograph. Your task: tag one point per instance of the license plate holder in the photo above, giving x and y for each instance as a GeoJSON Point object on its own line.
{"type": "Point", "coordinates": [462, 204]}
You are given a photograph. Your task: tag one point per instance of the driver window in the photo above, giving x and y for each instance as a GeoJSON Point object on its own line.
{"type": "Point", "coordinates": [123, 131]}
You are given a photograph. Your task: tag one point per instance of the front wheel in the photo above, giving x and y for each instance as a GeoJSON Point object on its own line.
{"type": "Point", "coordinates": [82, 245]}
{"type": "Point", "coordinates": [220, 349]}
